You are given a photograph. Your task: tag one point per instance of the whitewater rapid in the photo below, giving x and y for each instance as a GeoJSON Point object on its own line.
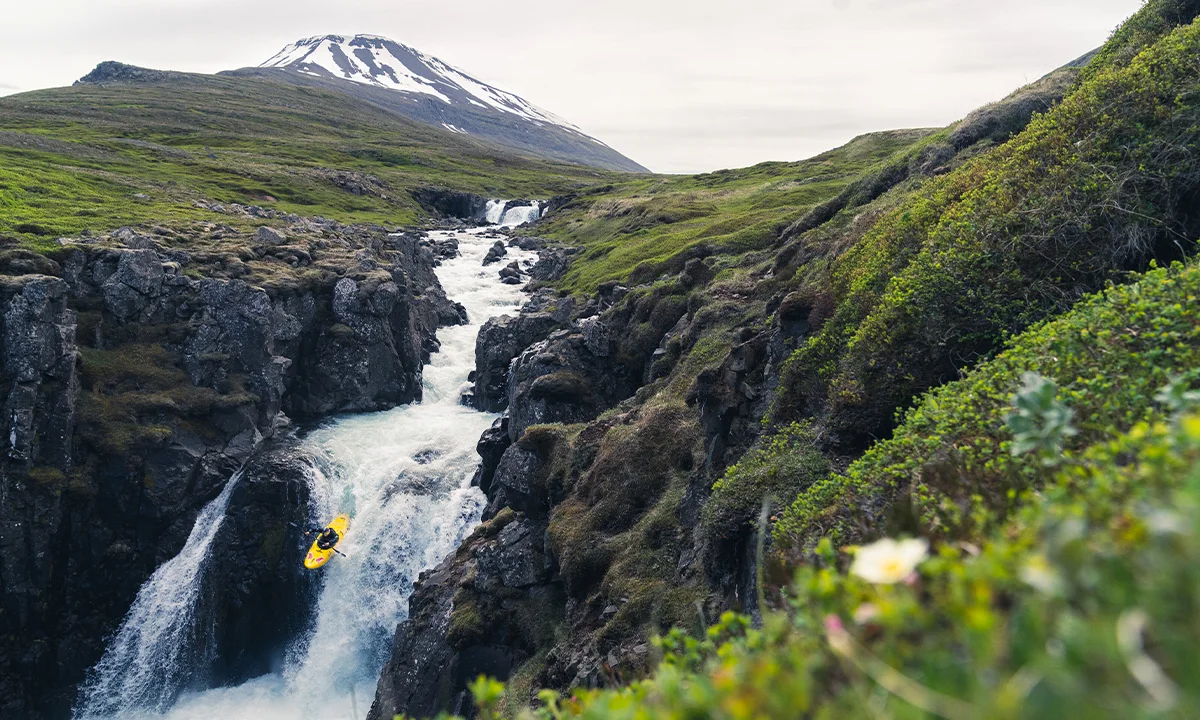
{"type": "Point", "coordinates": [404, 476]}
{"type": "Point", "coordinates": [498, 214]}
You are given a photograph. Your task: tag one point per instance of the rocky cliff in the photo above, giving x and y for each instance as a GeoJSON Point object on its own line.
{"type": "Point", "coordinates": [141, 369]}
{"type": "Point", "coordinates": [595, 485]}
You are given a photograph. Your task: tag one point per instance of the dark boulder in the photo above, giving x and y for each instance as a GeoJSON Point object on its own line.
{"type": "Point", "coordinates": [515, 483]}
{"type": "Point", "coordinates": [552, 264]}
{"type": "Point", "coordinates": [494, 253]}
{"type": "Point", "coordinates": [491, 447]}
{"type": "Point", "coordinates": [527, 243]}
{"type": "Point", "coordinates": [511, 274]}
{"type": "Point", "coordinates": [261, 597]}
{"type": "Point", "coordinates": [445, 249]}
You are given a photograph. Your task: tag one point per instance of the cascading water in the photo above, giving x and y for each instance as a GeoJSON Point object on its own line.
{"type": "Point", "coordinates": [498, 213]}
{"type": "Point", "coordinates": [404, 476]}
{"type": "Point", "coordinates": [159, 645]}
{"type": "Point", "coordinates": [495, 211]}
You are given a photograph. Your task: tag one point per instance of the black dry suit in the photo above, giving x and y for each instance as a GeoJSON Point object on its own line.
{"type": "Point", "coordinates": [328, 538]}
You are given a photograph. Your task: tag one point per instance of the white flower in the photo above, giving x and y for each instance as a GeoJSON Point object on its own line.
{"type": "Point", "coordinates": [1040, 574]}
{"type": "Point", "coordinates": [889, 561]}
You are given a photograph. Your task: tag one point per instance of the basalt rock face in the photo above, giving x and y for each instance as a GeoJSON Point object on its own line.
{"type": "Point", "coordinates": [500, 340]}
{"type": "Point", "coordinates": [452, 203]}
{"type": "Point", "coordinates": [138, 375]}
{"type": "Point", "coordinates": [261, 596]}
{"type": "Point", "coordinates": [40, 381]}
{"type": "Point", "coordinates": [570, 377]}
{"type": "Point", "coordinates": [482, 611]}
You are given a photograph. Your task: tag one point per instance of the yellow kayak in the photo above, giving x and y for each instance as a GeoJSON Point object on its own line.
{"type": "Point", "coordinates": [318, 556]}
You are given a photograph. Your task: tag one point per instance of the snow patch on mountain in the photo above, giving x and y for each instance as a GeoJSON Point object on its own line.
{"type": "Point", "coordinates": [378, 61]}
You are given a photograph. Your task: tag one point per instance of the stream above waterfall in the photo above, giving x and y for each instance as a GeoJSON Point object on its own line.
{"type": "Point", "coordinates": [404, 477]}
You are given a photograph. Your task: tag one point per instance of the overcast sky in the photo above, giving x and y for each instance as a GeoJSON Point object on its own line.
{"type": "Point", "coordinates": [678, 85]}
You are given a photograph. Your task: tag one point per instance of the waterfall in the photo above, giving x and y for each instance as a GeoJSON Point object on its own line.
{"type": "Point", "coordinates": [498, 213]}
{"type": "Point", "coordinates": [404, 476]}
{"type": "Point", "coordinates": [158, 646]}
{"type": "Point", "coordinates": [521, 215]}
{"type": "Point", "coordinates": [495, 211]}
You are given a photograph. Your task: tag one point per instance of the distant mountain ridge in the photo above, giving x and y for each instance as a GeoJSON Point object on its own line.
{"type": "Point", "coordinates": [419, 86]}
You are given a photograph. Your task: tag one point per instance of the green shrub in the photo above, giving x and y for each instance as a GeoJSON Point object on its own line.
{"type": "Point", "coordinates": [1109, 357]}
{"type": "Point", "coordinates": [1098, 185]}
{"type": "Point", "coordinates": [1084, 605]}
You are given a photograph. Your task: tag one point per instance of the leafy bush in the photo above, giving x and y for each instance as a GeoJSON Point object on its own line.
{"type": "Point", "coordinates": [1109, 356]}
{"type": "Point", "coordinates": [1040, 421]}
{"type": "Point", "coordinates": [1084, 605]}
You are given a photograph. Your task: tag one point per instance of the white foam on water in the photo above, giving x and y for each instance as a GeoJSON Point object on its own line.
{"type": "Point", "coordinates": [158, 645]}
{"type": "Point", "coordinates": [497, 214]}
{"type": "Point", "coordinates": [405, 477]}
{"type": "Point", "coordinates": [521, 215]}
{"type": "Point", "coordinates": [495, 211]}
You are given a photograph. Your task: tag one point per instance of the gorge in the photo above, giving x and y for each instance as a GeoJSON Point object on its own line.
{"type": "Point", "coordinates": [403, 475]}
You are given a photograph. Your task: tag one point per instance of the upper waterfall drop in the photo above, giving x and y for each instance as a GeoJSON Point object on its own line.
{"type": "Point", "coordinates": [499, 212]}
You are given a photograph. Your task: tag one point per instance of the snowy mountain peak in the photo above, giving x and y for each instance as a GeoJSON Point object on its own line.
{"type": "Point", "coordinates": [380, 62]}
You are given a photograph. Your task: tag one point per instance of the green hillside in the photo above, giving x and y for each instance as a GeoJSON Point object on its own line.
{"type": "Point", "coordinates": [994, 346]}
{"type": "Point", "coordinates": [96, 157]}
{"type": "Point", "coordinates": [633, 229]}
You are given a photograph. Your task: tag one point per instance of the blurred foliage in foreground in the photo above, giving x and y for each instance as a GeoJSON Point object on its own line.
{"type": "Point", "coordinates": [1083, 605]}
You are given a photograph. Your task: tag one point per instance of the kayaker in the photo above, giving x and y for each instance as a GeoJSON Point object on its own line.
{"type": "Point", "coordinates": [328, 538]}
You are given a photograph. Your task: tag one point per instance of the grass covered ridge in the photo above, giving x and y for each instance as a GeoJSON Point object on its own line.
{"type": "Point", "coordinates": [630, 230]}
{"type": "Point", "coordinates": [96, 157]}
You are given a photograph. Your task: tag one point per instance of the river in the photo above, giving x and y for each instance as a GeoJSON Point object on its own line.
{"type": "Point", "coordinates": [403, 475]}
